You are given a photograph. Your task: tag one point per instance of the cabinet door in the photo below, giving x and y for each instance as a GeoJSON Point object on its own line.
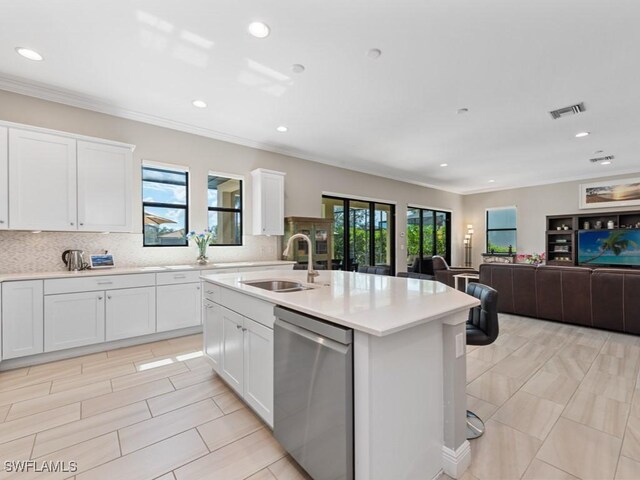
{"type": "Point", "coordinates": [4, 178]}
{"type": "Point", "coordinates": [42, 181]}
{"type": "Point", "coordinates": [212, 330]}
{"type": "Point", "coordinates": [73, 319]}
{"type": "Point", "coordinates": [179, 306]}
{"type": "Point", "coordinates": [258, 368]}
{"type": "Point", "coordinates": [104, 187]}
{"type": "Point", "coordinates": [22, 318]}
{"type": "Point", "coordinates": [268, 202]}
{"type": "Point", "coordinates": [232, 349]}
{"type": "Point", "coordinates": [130, 312]}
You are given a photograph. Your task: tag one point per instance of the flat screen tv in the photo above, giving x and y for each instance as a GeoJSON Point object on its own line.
{"type": "Point", "coordinates": [612, 248]}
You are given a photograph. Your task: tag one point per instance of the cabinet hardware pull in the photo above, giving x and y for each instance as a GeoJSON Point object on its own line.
{"type": "Point", "coordinates": [239, 327]}
{"type": "Point", "coordinates": [244, 329]}
{"type": "Point", "coordinates": [105, 283]}
{"type": "Point", "coordinates": [70, 223]}
{"type": "Point", "coordinates": [1, 221]}
{"type": "Point", "coordinates": [209, 291]}
{"type": "Point", "coordinates": [81, 224]}
{"type": "Point", "coordinates": [197, 288]}
{"type": "Point", "coordinates": [108, 297]}
{"type": "Point", "coordinates": [99, 298]}
{"type": "Point", "coordinates": [179, 276]}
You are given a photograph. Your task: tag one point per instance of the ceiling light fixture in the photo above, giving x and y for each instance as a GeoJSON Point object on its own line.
{"type": "Point", "coordinates": [29, 54]}
{"type": "Point", "coordinates": [199, 104]}
{"type": "Point", "coordinates": [444, 164]}
{"type": "Point", "coordinates": [582, 134]}
{"type": "Point", "coordinates": [259, 29]}
{"type": "Point", "coordinates": [297, 68]}
{"type": "Point", "coordinates": [492, 181]}
{"type": "Point", "coordinates": [605, 162]}
{"type": "Point", "coordinates": [374, 53]}
{"type": "Point", "coordinates": [282, 129]}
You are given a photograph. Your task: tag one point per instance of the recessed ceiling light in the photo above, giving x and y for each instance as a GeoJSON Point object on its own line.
{"type": "Point", "coordinates": [199, 104]}
{"type": "Point", "coordinates": [492, 181]}
{"type": "Point", "coordinates": [598, 151]}
{"type": "Point", "coordinates": [582, 134]}
{"type": "Point", "coordinates": [30, 54]}
{"type": "Point", "coordinates": [444, 164]}
{"type": "Point", "coordinates": [259, 29]}
{"type": "Point", "coordinates": [297, 68]}
{"type": "Point", "coordinates": [605, 162]}
{"type": "Point", "coordinates": [461, 111]}
{"type": "Point", "coordinates": [374, 53]}
{"type": "Point", "coordinates": [282, 129]}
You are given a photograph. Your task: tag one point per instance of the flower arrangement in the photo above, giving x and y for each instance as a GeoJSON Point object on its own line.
{"type": "Point", "coordinates": [531, 258]}
{"type": "Point", "coordinates": [202, 241]}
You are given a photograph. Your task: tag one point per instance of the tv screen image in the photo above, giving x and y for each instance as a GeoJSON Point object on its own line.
{"type": "Point", "coordinates": [609, 247]}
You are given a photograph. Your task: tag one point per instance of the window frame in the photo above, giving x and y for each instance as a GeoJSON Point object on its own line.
{"type": "Point", "coordinates": [171, 169]}
{"type": "Point", "coordinates": [487, 229]}
{"type": "Point", "coordinates": [448, 215]}
{"type": "Point", "coordinates": [240, 210]}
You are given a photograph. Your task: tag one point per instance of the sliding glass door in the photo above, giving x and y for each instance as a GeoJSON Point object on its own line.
{"type": "Point", "coordinates": [363, 233]}
{"type": "Point", "coordinates": [428, 234]}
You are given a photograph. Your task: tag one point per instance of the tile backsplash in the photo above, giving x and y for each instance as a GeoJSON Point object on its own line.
{"type": "Point", "coordinates": [26, 252]}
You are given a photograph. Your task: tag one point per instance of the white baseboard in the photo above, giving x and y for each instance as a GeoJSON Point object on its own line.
{"type": "Point", "coordinates": [455, 462]}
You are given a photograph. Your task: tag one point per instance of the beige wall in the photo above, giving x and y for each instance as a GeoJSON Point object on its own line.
{"type": "Point", "coordinates": [533, 204]}
{"type": "Point", "coordinates": [305, 182]}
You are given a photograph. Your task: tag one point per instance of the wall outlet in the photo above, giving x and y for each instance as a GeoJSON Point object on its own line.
{"type": "Point", "coordinates": [459, 345]}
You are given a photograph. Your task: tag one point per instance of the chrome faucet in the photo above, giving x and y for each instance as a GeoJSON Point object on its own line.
{"type": "Point", "coordinates": [311, 273]}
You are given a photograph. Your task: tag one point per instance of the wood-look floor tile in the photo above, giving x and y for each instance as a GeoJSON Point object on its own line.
{"type": "Point", "coordinates": [167, 476]}
{"type": "Point", "coordinates": [199, 363]}
{"type": "Point", "coordinates": [582, 451]}
{"type": "Point", "coordinates": [146, 376]}
{"type": "Point", "coordinates": [236, 461]}
{"type": "Point", "coordinates": [124, 397]}
{"type": "Point", "coordinates": [228, 402]}
{"type": "Point", "coordinates": [187, 379]}
{"type": "Point", "coordinates": [541, 415]}
{"type": "Point", "coordinates": [475, 368]}
{"type": "Point", "coordinates": [539, 470]}
{"type": "Point", "coordinates": [621, 349]}
{"type": "Point", "coordinates": [628, 469]}
{"type": "Point", "coordinates": [516, 450]}
{"type": "Point", "coordinates": [631, 445]}
{"type": "Point", "coordinates": [534, 352]}
{"type": "Point", "coordinates": [580, 352]}
{"type": "Point", "coordinates": [550, 340]}
{"type": "Point", "coordinates": [229, 428]}
{"type": "Point", "coordinates": [596, 411]}
{"type": "Point", "coordinates": [264, 474]}
{"type": "Point", "coordinates": [90, 427]}
{"type": "Point", "coordinates": [174, 349]}
{"type": "Point", "coordinates": [482, 409]}
{"type": "Point", "coordinates": [516, 367]}
{"type": "Point", "coordinates": [95, 367]}
{"type": "Point", "coordinates": [490, 354]}
{"type": "Point", "coordinates": [41, 377]}
{"type": "Point", "coordinates": [19, 449]}
{"type": "Point", "coordinates": [493, 387]}
{"type": "Point", "coordinates": [511, 341]}
{"type": "Point", "coordinates": [185, 396]}
{"type": "Point", "coordinates": [87, 455]}
{"type": "Point", "coordinates": [77, 381]}
{"type": "Point", "coordinates": [38, 422]}
{"type": "Point", "coordinates": [24, 393]}
{"type": "Point", "coordinates": [551, 386]}
{"type": "Point", "coordinates": [66, 397]}
{"type": "Point", "coordinates": [4, 410]}
{"type": "Point", "coordinates": [621, 367]}
{"type": "Point", "coordinates": [194, 340]}
{"type": "Point", "coordinates": [152, 461]}
{"type": "Point", "coordinates": [122, 352]}
{"type": "Point", "coordinates": [610, 386]}
{"type": "Point", "coordinates": [93, 357]}
{"type": "Point", "coordinates": [287, 469]}
{"type": "Point", "coordinates": [155, 429]}
{"type": "Point", "coordinates": [567, 367]}
{"type": "Point", "coordinates": [13, 373]}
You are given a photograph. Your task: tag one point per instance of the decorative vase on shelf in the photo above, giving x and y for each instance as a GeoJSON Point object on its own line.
{"type": "Point", "coordinates": [202, 242]}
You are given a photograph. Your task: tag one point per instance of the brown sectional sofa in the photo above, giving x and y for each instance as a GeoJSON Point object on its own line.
{"type": "Point", "coordinates": [603, 298]}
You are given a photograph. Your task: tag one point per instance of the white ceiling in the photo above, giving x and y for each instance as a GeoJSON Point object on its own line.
{"type": "Point", "coordinates": [509, 63]}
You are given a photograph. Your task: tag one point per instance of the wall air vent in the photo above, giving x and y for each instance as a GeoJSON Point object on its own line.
{"type": "Point", "coordinates": [567, 111]}
{"type": "Point", "coordinates": [608, 158]}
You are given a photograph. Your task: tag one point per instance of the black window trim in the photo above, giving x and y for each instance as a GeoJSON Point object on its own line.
{"type": "Point", "coordinates": [448, 234]}
{"type": "Point", "coordinates": [184, 207]}
{"type": "Point", "coordinates": [228, 209]}
{"type": "Point", "coordinates": [487, 229]}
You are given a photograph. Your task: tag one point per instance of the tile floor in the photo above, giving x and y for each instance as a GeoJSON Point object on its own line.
{"type": "Point", "coordinates": [559, 402]}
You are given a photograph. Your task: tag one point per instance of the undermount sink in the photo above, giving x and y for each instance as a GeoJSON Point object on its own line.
{"type": "Point", "coordinates": [281, 286]}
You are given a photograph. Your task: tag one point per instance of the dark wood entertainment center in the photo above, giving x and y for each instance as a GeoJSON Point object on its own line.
{"type": "Point", "coordinates": [561, 233]}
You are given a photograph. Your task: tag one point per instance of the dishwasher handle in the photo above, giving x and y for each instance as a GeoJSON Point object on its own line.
{"type": "Point", "coordinates": [315, 325]}
{"type": "Point", "coordinates": [322, 341]}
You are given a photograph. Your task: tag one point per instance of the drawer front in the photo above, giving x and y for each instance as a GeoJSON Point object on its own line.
{"type": "Point", "coordinates": [211, 292]}
{"type": "Point", "coordinates": [219, 271]}
{"type": "Point", "coordinates": [172, 278]}
{"type": "Point", "coordinates": [90, 284]}
{"type": "Point", "coordinates": [248, 306]}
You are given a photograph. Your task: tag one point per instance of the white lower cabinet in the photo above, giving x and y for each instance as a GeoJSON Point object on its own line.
{"type": "Point", "coordinates": [178, 306]}
{"type": "Point", "coordinates": [73, 320]}
{"type": "Point", "coordinates": [241, 351]}
{"type": "Point", "coordinates": [130, 312]}
{"type": "Point", "coordinates": [22, 318]}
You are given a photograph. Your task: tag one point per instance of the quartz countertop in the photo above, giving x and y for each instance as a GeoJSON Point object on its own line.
{"type": "Point", "coordinates": [375, 304]}
{"type": "Point", "coordinates": [7, 277]}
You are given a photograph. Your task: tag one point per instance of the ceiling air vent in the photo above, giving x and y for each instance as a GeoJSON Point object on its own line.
{"type": "Point", "coordinates": [608, 158]}
{"type": "Point", "coordinates": [567, 111]}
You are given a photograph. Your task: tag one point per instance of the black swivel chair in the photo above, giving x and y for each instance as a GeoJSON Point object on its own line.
{"type": "Point", "coordinates": [419, 276]}
{"type": "Point", "coordinates": [482, 329]}
{"type": "Point", "coordinates": [374, 269]}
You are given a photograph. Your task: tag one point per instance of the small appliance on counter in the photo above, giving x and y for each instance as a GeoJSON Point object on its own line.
{"type": "Point", "coordinates": [74, 260]}
{"type": "Point", "coordinates": [104, 260]}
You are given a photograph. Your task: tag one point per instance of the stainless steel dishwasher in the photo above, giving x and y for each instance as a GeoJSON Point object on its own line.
{"type": "Point", "coordinates": [313, 394]}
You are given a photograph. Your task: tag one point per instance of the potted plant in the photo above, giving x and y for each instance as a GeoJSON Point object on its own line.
{"type": "Point", "coordinates": [202, 241]}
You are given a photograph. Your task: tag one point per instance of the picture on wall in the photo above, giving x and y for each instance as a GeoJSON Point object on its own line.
{"type": "Point", "coordinates": [613, 193]}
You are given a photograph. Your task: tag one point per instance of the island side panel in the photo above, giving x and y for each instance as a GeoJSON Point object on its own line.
{"type": "Point", "coordinates": [398, 403]}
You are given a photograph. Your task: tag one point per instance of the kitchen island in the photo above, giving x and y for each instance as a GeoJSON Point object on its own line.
{"type": "Point", "coordinates": [409, 403]}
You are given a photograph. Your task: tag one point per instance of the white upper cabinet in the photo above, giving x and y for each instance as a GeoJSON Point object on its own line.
{"type": "Point", "coordinates": [4, 178]}
{"type": "Point", "coordinates": [42, 181]}
{"type": "Point", "coordinates": [268, 202]}
{"type": "Point", "coordinates": [105, 175]}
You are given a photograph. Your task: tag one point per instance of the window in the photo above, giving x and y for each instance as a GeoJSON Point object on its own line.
{"type": "Point", "coordinates": [225, 210]}
{"type": "Point", "coordinates": [501, 230]}
{"type": "Point", "coordinates": [363, 233]}
{"type": "Point", "coordinates": [165, 210]}
{"type": "Point", "coordinates": [428, 234]}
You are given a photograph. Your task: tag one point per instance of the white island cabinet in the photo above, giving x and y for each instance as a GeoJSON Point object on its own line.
{"type": "Point", "coordinates": [4, 178]}
{"type": "Point", "coordinates": [409, 379]}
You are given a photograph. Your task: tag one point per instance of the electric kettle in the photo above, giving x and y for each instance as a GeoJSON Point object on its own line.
{"type": "Point", "coordinates": [74, 260]}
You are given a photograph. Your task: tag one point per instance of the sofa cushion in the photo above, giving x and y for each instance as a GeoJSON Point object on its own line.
{"type": "Point", "coordinates": [524, 290]}
{"type": "Point", "coordinates": [549, 292]}
{"type": "Point", "coordinates": [576, 295]}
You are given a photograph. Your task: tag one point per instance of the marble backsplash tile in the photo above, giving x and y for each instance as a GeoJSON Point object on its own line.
{"type": "Point", "coordinates": [25, 252]}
